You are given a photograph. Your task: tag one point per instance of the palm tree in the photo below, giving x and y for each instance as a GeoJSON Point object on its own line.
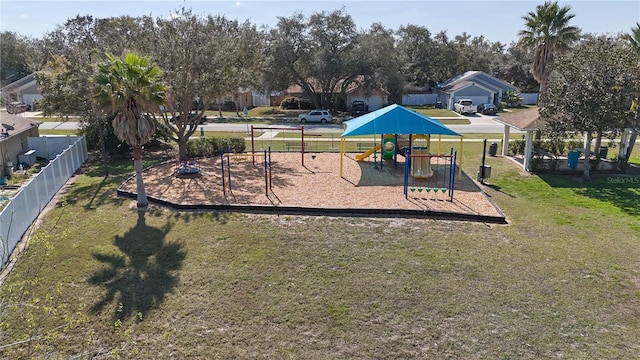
{"type": "Point", "coordinates": [634, 38]}
{"type": "Point", "coordinates": [547, 33]}
{"type": "Point", "coordinates": [126, 88]}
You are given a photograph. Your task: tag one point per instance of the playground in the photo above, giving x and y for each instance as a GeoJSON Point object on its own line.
{"type": "Point", "coordinates": [400, 175]}
{"type": "Point", "coordinates": [315, 184]}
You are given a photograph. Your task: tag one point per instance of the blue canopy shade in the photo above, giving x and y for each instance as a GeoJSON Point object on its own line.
{"type": "Point", "coordinates": [395, 119]}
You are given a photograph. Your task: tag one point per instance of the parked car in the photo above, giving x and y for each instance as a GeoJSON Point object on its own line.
{"type": "Point", "coordinates": [17, 107]}
{"type": "Point", "coordinates": [359, 107]}
{"type": "Point", "coordinates": [203, 119]}
{"type": "Point", "coordinates": [321, 116]}
{"type": "Point", "coordinates": [487, 109]}
{"type": "Point", "coordinates": [465, 106]}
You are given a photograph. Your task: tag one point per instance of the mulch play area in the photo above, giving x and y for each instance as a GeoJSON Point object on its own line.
{"type": "Point", "coordinates": [314, 188]}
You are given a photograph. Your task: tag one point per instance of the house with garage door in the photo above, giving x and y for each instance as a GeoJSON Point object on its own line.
{"type": "Point", "coordinates": [475, 85]}
{"type": "Point", "coordinates": [374, 99]}
{"type": "Point", "coordinates": [14, 134]}
{"type": "Point", "coordinates": [24, 90]}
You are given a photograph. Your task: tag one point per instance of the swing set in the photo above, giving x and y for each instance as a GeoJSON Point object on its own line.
{"type": "Point", "coordinates": [302, 136]}
{"type": "Point", "coordinates": [226, 169]}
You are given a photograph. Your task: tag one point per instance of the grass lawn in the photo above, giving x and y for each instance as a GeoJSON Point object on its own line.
{"type": "Point", "coordinates": [561, 280]}
{"type": "Point", "coordinates": [462, 121]}
{"type": "Point", "coordinates": [431, 111]}
{"type": "Point", "coordinates": [56, 118]}
{"type": "Point", "coordinates": [519, 108]}
{"type": "Point", "coordinates": [57, 132]}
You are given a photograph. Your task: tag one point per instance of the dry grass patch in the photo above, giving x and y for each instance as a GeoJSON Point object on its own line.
{"type": "Point", "coordinates": [216, 285]}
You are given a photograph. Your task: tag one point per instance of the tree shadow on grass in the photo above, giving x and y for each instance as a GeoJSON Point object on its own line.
{"type": "Point", "coordinates": [621, 191]}
{"type": "Point", "coordinates": [497, 188]}
{"type": "Point", "coordinates": [626, 198]}
{"type": "Point", "coordinates": [140, 277]}
{"type": "Point", "coordinates": [95, 194]}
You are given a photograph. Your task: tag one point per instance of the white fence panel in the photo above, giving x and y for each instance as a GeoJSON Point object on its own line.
{"type": "Point", "coordinates": [48, 175]}
{"type": "Point", "coordinates": [43, 192]}
{"type": "Point", "coordinates": [48, 147]}
{"type": "Point", "coordinates": [26, 205]}
{"type": "Point", "coordinates": [30, 194]}
{"type": "Point", "coordinates": [5, 225]}
{"type": "Point", "coordinates": [261, 100]}
{"type": "Point", "coordinates": [529, 98]}
{"type": "Point", "coordinates": [419, 99]}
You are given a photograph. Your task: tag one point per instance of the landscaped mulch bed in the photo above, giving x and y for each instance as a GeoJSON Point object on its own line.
{"type": "Point", "coordinates": [317, 184]}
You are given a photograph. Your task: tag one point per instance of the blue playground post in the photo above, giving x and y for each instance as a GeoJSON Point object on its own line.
{"type": "Point", "coordinates": [224, 190]}
{"type": "Point", "coordinates": [452, 169]}
{"type": "Point", "coordinates": [270, 170]}
{"type": "Point", "coordinates": [407, 166]}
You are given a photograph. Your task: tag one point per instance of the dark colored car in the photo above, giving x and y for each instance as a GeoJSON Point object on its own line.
{"type": "Point", "coordinates": [487, 109]}
{"type": "Point", "coordinates": [203, 119]}
{"type": "Point", "coordinates": [359, 107]}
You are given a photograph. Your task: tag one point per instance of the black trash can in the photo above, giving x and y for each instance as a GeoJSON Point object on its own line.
{"type": "Point", "coordinates": [603, 152]}
{"type": "Point", "coordinates": [438, 104]}
{"type": "Point", "coordinates": [493, 149]}
{"type": "Point", "coordinates": [484, 172]}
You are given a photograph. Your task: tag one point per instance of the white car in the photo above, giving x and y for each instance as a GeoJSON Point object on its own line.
{"type": "Point", "coordinates": [321, 116]}
{"type": "Point", "coordinates": [465, 106]}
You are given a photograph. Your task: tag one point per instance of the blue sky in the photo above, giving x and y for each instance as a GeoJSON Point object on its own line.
{"type": "Point", "coordinates": [496, 20]}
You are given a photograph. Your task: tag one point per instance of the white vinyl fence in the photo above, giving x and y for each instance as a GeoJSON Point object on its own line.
{"type": "Point", "coordinates": [419, 99]}
{"type": "Point", "coordinates": [529, 98]}
{"type": "Point", "coordinates": [66, 155]}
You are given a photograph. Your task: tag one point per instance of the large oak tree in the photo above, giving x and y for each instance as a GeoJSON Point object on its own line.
{"type": "Point", "coordinates": [203, 59]}
{"type": "Point", "coordinates": [319, 54]}
{"type": "Point", "coordinates": [590, 91]}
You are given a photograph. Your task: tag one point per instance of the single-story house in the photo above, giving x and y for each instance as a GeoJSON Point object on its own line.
{"type": "Point", "coordinates": [478, 86]}
{"type": "Point", "coordinates": [14, 131]}
{"type": "Point", "coordinates": [243, 98]}
{"type": "Point", "coordinates": [375, 100]}
{"type": "Point", "coordinates": [25, 90]}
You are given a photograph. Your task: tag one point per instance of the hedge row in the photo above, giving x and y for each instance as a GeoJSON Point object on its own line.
{"type": "Point", "coordinates": [209, 147]}
{"type": "Point", "coordinates": [293, 102]}
{"type": "Point", "coordinates": [556, 147]}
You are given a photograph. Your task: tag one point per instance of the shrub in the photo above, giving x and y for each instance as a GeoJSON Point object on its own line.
{"type": "Point", "coordinates": [288, 103]}
{"type": "Point", "coordinates": [573, 144]}
{"type": "Point", "coordinates": [293, 103]}
{"type": "Point", "coordinates": [209, 147]}
{"type": "Point", "coordinates": [555, 147]}
{"type": "Point", "coordinates": [229, 106]}
{"type": "Point", "coordinates": [516, 147]}
{"type": "Point", "coordinates": [37, 105]}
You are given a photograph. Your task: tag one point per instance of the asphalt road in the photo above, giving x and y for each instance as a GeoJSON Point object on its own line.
{"type": "Point", "coordinates": [480, 124]}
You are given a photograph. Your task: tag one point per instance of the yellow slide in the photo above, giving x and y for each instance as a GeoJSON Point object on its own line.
{"type": "Point", "coordinates": [365, 155]}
